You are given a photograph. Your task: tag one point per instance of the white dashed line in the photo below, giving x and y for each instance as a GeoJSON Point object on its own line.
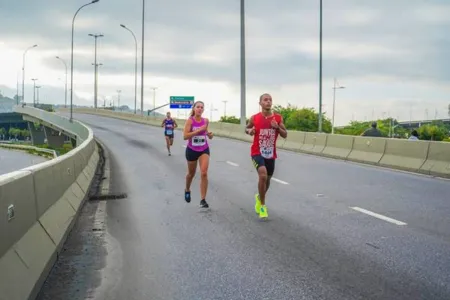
{"type": "Point", "coordinates": [384, 218]}
{"type": "Point", "coordinates": [279, 181]}
{"type": "Point", "coordinates": [232, 163]}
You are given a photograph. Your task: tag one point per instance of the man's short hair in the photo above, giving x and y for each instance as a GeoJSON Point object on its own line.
{"type": "Point", "coordinates": [265, 94]}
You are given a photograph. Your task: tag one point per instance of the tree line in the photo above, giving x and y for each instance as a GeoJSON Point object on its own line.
{"type": "Point", "coordinates": [13, 132]}
{"type": "Point", "coordinates": [307, 119]}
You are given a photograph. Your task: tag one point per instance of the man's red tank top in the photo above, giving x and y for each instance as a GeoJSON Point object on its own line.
{"type": "Point", "coordinates": [265, 138]}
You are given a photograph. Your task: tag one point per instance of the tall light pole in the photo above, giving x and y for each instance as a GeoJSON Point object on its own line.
{"type": "Point", "coordinates": [225, 108]}
{"type": "Point", "coordinates": [34, 91]}
{"type": "Point", "coordinates": [243, 79]}
{"type": "Point", "coordinates": [336, 86]}
{"type": "Point", "coordinates": [118, 98]}
{"type": "Point", "coordinates": [65, 88]}
{"type": "Point", "coordinates": [320, 70]}
{"type": "Point", "coordinates": [17, 86]}
{"type": "Point", "coordinates": [211, 112]}
{"type": "Point", "coordinates": [37, 91]}
{"type": "Point", "coordinates": [135, 67]}
{"type": "Point", "coordinates": [95, 36]}
{"type": "Point", "coordinates": [96, 65]}
{"type": "Point", "coordinates": [142, 58]}
{"type": "Point", "coordinates": [71, 59]}
{"type": "Point", "coordinates": [154, 100]}
{"type": "Point", "coordinates": [23, 72]}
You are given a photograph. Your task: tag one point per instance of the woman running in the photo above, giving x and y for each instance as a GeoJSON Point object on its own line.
{"type": "Point", "coordinates": [197, 149]}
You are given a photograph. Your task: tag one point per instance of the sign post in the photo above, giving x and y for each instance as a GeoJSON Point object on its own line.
{"type": "Point", "coordinates": [181, 102]}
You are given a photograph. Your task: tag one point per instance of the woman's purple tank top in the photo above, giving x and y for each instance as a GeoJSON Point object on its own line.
{"type": "Point", "coordinates": [198, 142]}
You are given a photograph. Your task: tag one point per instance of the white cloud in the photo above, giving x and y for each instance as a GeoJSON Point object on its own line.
{"type": "Point", "coordinates": [389, 56]}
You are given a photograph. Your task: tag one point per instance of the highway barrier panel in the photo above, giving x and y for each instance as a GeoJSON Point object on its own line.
{"type": "Point", "coordinates": [367, 150]}
{"type": "Point", "coordinates": [338, 146]}
{"type": "Point", "coordinates": [39, 206]}
{"type": "Point", "coordinates": [294, 142]}
{"type": "Point", "coordinates": [405, 154]}
{"type": "Point", "coordinates": [438, 160]}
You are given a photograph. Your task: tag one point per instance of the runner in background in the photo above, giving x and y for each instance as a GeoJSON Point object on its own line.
{"type": "Point", "coordinates": [169, 125]}
{"type": "Point", "coordinates": [265, 127]}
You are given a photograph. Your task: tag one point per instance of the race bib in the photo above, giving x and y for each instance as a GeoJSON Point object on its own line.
{"type": "Point", "coordinates": [266, 152]}
{"type": "Point", "coordinates": [169, 131]}
{"type": "Point", "coordinates": [198, 141]}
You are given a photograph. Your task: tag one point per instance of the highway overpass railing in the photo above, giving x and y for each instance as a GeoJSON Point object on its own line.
{"type": "Point", "coordinates": [39, 206]}
{"type": "Point", "coordinates": [425, 157]}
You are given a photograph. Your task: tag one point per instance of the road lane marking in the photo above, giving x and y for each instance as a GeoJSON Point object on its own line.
{"type": "Point", "coordinates": [381, 217]}
{"type": "Point", "coordinates": [184, 146]}
{"type": "Point", "coordinates": [232, 163]}
{"type": "Point", "coordinates": [279, 181]}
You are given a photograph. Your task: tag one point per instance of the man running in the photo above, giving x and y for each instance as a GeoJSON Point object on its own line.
{"type": "Point", "coordinates": [265, 128]}
{"type": "Point", "coordinates": [169, 125]}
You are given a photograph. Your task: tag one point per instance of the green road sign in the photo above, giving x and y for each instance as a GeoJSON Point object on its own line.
{"type": "Point", "coordinates": [181, 102]}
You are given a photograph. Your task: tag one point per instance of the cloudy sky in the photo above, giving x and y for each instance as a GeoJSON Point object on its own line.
{"type": "Point", "coordinates": [391, 56]}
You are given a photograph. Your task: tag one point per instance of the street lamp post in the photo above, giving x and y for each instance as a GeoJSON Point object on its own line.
{"type": "Point", "coordinates": [142, 58]}
{"type": "Point", "coordinates": [154, 101]}
{"type": "Point", "coordinates": [320, 69]}
{"type": "Point", "coordinates": [71, 59]}
{"type": "Point", "coordinates": [65, 88]}
{"type": "Point", "coordinates": [34, 91]}
{"type": "Point", "coordinates": [118, 99]}
{"type": "Point", "coordinates": [135, 67]}
{"type": "Point", "coordinates": [243, 78]}
{"type": "Point", "coordinates": [95, 67]}
{"type": "Point", "coordinates": [23, 72]}
{"type": "Point", "coordinates": [336, 86]}
{"type": "Point", "coordinates": [37, 91]}
{"type": "Point", "coordinates": [224, 108]}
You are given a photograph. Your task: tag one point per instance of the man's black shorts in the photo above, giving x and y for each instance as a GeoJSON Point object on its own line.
{"type": "Point", "coordinates": [259, 161]}
{"type": "Point", "coordinates": [192, 155]}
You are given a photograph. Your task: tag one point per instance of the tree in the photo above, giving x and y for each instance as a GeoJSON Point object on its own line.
{"type": "Point", "coordinates": [304, 119]}
{"type": "Point", "coordinates": [2, 133]}
{"type": "Point", "coordinates": [432, 132]}
{"type": "Point", "coordinates": [24, 133]}
{"type": "Point", "coordinates": [230, 119]}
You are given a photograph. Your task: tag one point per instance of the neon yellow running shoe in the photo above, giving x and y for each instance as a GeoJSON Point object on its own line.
{"type": "Point", "coordinates": [257, 204]}
{"type": "Point", "coordinates": [263, 212]}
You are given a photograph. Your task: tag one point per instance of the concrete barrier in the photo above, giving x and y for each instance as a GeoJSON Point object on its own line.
{"type": "Point", "coordinates": [314, 142]}
{"type": "Point", "coordinates": [430, 158]}
{"type": "Point", "coordinates": [405, 154]}
{"type": "Point", "coordinates": [367, 150]}
{"type": "Point", "coordinates": [43, 151]}
{"type": "Point", "coordinates": [39, 205]}
{"type": "Point", "coordinates": [295, 141]}
{"type": "Point", "coordinates": [338, 146]}
{"type": "Point", "coordinates": [438, 160]}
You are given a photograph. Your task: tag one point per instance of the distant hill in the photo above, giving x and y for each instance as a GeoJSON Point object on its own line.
{"type": "Point", "coordinates": [6, 104]}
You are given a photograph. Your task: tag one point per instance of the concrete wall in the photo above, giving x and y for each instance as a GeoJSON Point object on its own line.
{"type": "Point", "coordinates": [431, 158]}
{"type": "Point", "coordinates": [38, 207]}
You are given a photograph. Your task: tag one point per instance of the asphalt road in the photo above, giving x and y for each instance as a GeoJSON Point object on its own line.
{"type": "Point", "coordinates": [12, 160]}
{"type": "Point", "coordinates": [322, 239]}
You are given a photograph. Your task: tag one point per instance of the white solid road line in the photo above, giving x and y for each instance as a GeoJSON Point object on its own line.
{"type": "Point", "coordinates": [384, 218]}
{"type": "Point", "coordinates": [232, 163]}
{"type": "Point", "coordinates": [279, 181]}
